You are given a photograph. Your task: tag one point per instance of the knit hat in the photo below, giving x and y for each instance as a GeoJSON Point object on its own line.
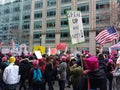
{"type": "Point", "coordinates": [110, 60]}
{"type": "Point", "coordinates": [63, 58]}
{"type": "Point", "coordinates": [36, 63]}
{"type": "Point", "coordinates": [91, 63]}
{"type": "Point", "coordinates": [4, 59]}
{"type": "Point", "coordinates": [12, 59]}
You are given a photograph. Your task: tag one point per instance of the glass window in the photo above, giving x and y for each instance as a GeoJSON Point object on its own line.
{"type": "Point", "coordinates": [38, 15]}
{"type": "Point", "coordinates": [16, 9]}
{"type": "Point", "coordinates": [64, 22]}
{"type": "Point", "coordinates": [6, 11]}
{"type": "Point", "coordinates": [51, 12]}
{"type": "Point", "coordinates": [38, 25]}
{"type": "Point", "coordinates": [101, 5]}
{"type": "Point", "coordinates": [86, 33]}
{"type": "Point", "coordinates": [26, 26]}
{"type": "Point", "coordinates": [50, 35]}
{"type": "Point", "coordinates": [26, 7]}
{"type": "Point", "coordinates": [65, 1]}
{"type": "Point", "coordinates": [38, 5]}
{"type": "Point", "coordinates": [64, 34]}
{"type": "Point", "coordinates": [51, 3]}
{"type": "Point", "coordinates": [85, 20]}
{"type": "Point", "coordinates": [36, 35]}
{"type": "Point", "coordinates": [26, 17]}
{"type": "Point", "coordinates": [65, 9]}
{"type": "Point", "coordinates": [83, 7]}
{"type": "Point", "coordinates": [103, 18]}
{"type": "Point", "coordinates": [15, 18]}
{"type": "Point", "coordinates": [50, 23]}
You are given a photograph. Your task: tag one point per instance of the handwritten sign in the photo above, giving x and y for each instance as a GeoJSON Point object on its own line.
{"type": "Point", "coordinates": [75, 26]}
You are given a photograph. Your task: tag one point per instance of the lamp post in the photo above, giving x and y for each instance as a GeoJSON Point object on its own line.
{"type": "Point", "coordinates": [40, 40]}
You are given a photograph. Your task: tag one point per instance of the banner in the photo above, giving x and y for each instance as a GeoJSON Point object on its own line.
{"type": "Point", "coordinates": [39, 48]}
{"type": "Point", "coordinates": [61, 46]}
{"type": "Point", "coordinates": [53, 51]}
{"type": "Point", "coordinates": [75, 26]}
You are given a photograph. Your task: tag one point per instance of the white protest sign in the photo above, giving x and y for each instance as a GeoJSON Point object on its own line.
{"type": "Point", "coordinates": [38, 54]}
{"type": "Point", "coordinates": [75, 26]}
{"type": "Point", "coordinates": [5, 50]}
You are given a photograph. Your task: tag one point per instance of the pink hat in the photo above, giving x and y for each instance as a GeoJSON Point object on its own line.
{"type": "Point", "coordinates": [110, 60]}
{"type": "Point", "coordinates": [4, 59]}
{"type": "Point", "coordinates": [91, 63]}
{"type": "Point", "coordinates": [36, 63]}
{"type": "Point", "coordinates": [63, 58]}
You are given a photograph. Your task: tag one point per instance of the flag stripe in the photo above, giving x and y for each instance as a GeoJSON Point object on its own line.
{"type": "Point", "coordinates": [107, 35]}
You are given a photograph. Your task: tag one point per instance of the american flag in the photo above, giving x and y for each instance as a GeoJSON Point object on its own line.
{"type": "Point", "coordinates": [107, 35]}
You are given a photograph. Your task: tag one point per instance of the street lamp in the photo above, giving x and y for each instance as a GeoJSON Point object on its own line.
{"type": "Point", "coordinates": [40, 40]}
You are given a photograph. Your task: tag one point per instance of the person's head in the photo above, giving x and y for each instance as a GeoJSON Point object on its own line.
{"type": "Point", "coordinates": [63, 59]}
{"type": "Point", "coordinates": [91, 63]}
{"type": "Point", "coordinates": [4, 59]}
{"type": "Point", "coordinates": [101, 57]}
{"type": "Point", "coordinates": [35, 63]}
{"type": "Point", "coordinates": [12, 59]}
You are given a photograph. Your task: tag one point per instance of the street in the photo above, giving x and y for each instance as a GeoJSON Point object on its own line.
{"type": "Point", "coordinates": [56, 87]}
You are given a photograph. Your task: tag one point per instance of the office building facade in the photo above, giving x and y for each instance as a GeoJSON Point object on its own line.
{"type": "Point", "coordinates": [45, 21]}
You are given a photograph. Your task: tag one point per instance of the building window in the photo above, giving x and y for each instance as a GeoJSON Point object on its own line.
{"type": "Point", "coordinates": [51, 12]}
{"type": "Point", "coordinates": [64, 34]}
{"type": "Point", "coordinates": [38, 15]}
{"type": "Point", "coordinates": [65, 1]}
{"type": "Point", "coordinates": [83, 7]}
{"type": "Point", "coordinates": [38, 5]}
{"type": "Point", "coordinates": [38, 25]}
{"type": "Point", "coordinates": [27, 26]}
{"type": "Point", "coordinates": [64, 22]}
{"type": "Point", "coordinates": [16, 9]}
{"type": "Point", "coordinates": [86, 33]}
{"type": "Point", "coordinates": [26, 17]}
{"type": "Point", "coordinates": [36, 36]}
{"type": "Point", "coordinates": [50, 35]}
{"type": "Point", "coordinates": [101, 5]}
{"type": "Point", "coordinates": [6, 11]}
{"type": "Point", "coordinates": [15, 18]}
{"type": "Point", "coordinates": [50, 23]}
{"type": "Point", "coordinates": [51, 3]}
{"type": "Point", "coordinates": [85, 20]}
{"type": "Point", "coordinates": [26, 7]}
{"type": "Point", "coordinates": [105, 18]}
{"type": "Point", "coordinates": [65, 9]}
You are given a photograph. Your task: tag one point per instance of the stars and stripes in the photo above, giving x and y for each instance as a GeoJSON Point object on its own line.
{"type": "Point", "coordinates": [107, 35]}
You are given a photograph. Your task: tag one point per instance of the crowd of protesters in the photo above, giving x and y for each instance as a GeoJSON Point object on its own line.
{"type": "Point", "coordinates": [81, 71]}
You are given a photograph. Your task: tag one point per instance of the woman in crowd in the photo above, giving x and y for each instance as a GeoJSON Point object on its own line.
{"type": "Point", "coordinates": [62, 73]}
{"type": "Point", "coordinates": [48, 74]}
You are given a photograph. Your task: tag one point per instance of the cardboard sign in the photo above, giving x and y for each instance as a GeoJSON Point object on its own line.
{"type": "Point", "coordinates": [38, 54]}
{"type": "Point", "coordinates": [61, 46]}
{"type": "Point", "coordinates": [39, 48]}
{"type": "Point", "coordinates": [75, 26]}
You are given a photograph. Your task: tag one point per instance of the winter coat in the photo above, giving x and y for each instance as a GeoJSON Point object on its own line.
{"type": "Point", "coordinates": [116, 79]}
{"type": "Point", "coordinates": [97, 80]}
{"type": "Point", "coordinates": [76, 73]}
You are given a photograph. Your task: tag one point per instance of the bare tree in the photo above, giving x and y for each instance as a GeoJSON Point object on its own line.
{"type": "Point", "coordinates": [18, 35]}
{"type": "Point", "coordinates": [110, 15]}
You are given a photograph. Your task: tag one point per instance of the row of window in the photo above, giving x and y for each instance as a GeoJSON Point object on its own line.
{"type": "Point", "coordinates": [62, 35]}
{"type": "Point", "coordinates": [16, 9]}
{"type": "Point", "coordinates": [39, 4]}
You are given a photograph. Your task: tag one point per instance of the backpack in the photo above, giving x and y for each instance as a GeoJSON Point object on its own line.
{"type": "Point", "coordinates": [37, 76]}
